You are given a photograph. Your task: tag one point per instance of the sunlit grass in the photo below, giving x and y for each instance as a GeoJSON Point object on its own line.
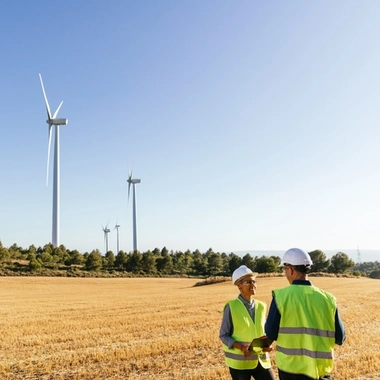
{"type": "Point", "coordinates": [80, 328]}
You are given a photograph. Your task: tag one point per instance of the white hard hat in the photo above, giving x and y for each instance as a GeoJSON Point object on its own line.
{"type": "Point", "coordinates": [296, 256]}
{"type": "Point", "coordinates": [241, 272]}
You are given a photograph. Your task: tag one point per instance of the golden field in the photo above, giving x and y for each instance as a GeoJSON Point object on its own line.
{"type": "Point", "coordinates": [148, 328]}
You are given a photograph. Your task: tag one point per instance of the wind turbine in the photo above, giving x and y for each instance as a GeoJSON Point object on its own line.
{"type": "Point", "coordinates": [54, 123]}
{"type": "Point", "coordinates": [133, 181]}
{"type": "Point", "coordinates": [117, 241]}
{"type": "Point", "coordinates": [106, 231]}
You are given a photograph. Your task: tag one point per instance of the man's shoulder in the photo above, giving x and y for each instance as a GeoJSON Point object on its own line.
{"type": "Point", "coordinates": [280, 290]}
{"type": "Point", "coordinates": [234, 301]}
{"type": "Point", "coordinates": [325, 294]}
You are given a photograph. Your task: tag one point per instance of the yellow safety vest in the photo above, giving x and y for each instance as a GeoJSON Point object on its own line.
{"type": "Point", "coordinates": [244, 331]}
{"type": "Point", "coordinates": [306, 338]}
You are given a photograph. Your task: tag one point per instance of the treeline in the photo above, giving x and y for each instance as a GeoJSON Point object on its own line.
{"type": "Point", "coordinates": [162, 262]}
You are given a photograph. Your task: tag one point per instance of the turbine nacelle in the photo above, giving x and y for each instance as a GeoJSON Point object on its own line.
{"type": "Point", "coordinates": [132, 181]}
{"type": "Point", "coordinates": [57, 121]}
{"type": "Point", "coordinates": [105, 229]}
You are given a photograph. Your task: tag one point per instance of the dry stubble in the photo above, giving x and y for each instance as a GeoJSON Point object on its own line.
{"type": "Point", "coordinates": [65, 328]}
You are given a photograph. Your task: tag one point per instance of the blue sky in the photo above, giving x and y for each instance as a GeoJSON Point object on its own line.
{"type": "Point", "coordinates": [253, 125]}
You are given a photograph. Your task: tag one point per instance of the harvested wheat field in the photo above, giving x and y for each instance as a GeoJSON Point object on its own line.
{"type": "Point", "coordinates": [147, 328]}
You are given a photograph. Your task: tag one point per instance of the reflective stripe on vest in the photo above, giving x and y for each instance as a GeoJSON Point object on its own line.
{"type": "Point", "coordinates": [231, 355]}
{"type": "Point", "coordinates": [307, 331]}
{"type": "Point", "coordinates": [304, 351]}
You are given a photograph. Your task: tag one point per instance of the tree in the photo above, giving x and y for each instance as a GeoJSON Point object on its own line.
{"type": "Point", "coordinates": [277, 260]}
{"type": "Point", "coordinates": [35, 265]}
{"type": "Point", "coordinates": [75, 258]}
{"type": "Point", "coordinates": [60, 254]}
{"type": "Point", "coordinates": [134, 263]}
{"type": "Point", "coordinates": [340, 263]}
{"type": "Point", "coordinates": [148, 262]}
{"type": "Point", "coordinates": [367, 268]}
{"type": "Point", "coordinates": [235, 262]}
{"type": "Point", "coordinates": [226, 263]}
{"type": "Point", "coordinates": [187, 262]}
{"type": "Point", "coordinates": [375, 274]}
{"type": "Point", "coordinates": [248, 261]}
{"type": "Point", "coordinates": [45, 257]}
{"type": "Point", "coordinates": [182, 262]}
{"type": "Point", "coordinates": [4, 253]}
{"type": "Point", "coordinates": [31, 257]}
{"type": "Point", "coordinates": [215, 264]}
{"type": "Point", "coordinates": [320, 262]}
{"type": "Point", "coordinates": [164, 262]}
{"type": "Point", "coordinates": [156, 252]}
{"type": "Point", "coordinates": [94, 261]}
{"type": "Point", "coordinates": [199, 266]}
{"type": "Point", "coordinates": [48, 248]}
{"type": "Point", "coordinates": [121, 259]}
{"type": "Point", "coordinates": [109, 259]}
{"type": "Point", "coordinates": [15, 251]}
{"type": "Point", "coordinates": [266, 264]}
{"type": "Point", "coordinates": [32, 249]}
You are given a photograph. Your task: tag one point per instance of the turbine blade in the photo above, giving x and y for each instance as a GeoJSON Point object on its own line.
{"type": "Point", "coordinates": [48, 155]}
{"type": "Point", "coordinates": [56, 112]}
{"type": "Point", "coordinates": [129, 183]}
{"type": "Point", "coordinates": [46, 101]}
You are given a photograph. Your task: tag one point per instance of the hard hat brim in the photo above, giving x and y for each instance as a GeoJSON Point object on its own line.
{"type": "Point", "coordinates": [248, 275]}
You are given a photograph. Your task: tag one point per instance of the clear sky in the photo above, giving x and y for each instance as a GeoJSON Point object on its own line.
{"type": "Point", "coordinates": [253, 125]}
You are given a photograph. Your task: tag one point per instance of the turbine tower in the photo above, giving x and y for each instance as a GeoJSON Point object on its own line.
{"type": "Point", "coordinates": [54, 123]}
{"type": "Point", "coordinates": [117, 241]}
{"type": "Point", "coordinates": [359, 256]}
{"type": "Point", "coordinates": [133, 182]}
{"type": "Point", "coordinates": [106, 231]}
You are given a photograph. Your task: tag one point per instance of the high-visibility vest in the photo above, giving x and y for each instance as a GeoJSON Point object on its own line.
{"type": "Point", "coordinates": [306, 337]}
{"type": "Point", "coordinates": [244, 331]}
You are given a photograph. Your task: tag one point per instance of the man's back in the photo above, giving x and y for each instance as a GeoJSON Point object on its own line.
{"type": "Point", "coordinates": [306, 305]}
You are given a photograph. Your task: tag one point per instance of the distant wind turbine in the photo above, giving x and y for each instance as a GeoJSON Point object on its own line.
{"type": "Point", "coordinates": [106, 231]}
{"type": "Point", "coordinates": [117, 241]}
{"type": "Point", "coordinates": [55, 122]}
{"type": "Point", "coordinates": [133, 182]}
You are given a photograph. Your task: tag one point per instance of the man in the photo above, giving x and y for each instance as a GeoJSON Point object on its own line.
{"type": "Point", "coordinates": [243, 320]}
{"type": "Point", "coordinates": [305, 322]}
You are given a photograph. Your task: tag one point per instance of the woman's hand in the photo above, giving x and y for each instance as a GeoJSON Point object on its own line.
{"type": "Point", "coordinates": [245, 348]}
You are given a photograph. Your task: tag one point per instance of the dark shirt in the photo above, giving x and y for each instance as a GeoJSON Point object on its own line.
{"type": "Point", "coordinates": [272, 324]}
